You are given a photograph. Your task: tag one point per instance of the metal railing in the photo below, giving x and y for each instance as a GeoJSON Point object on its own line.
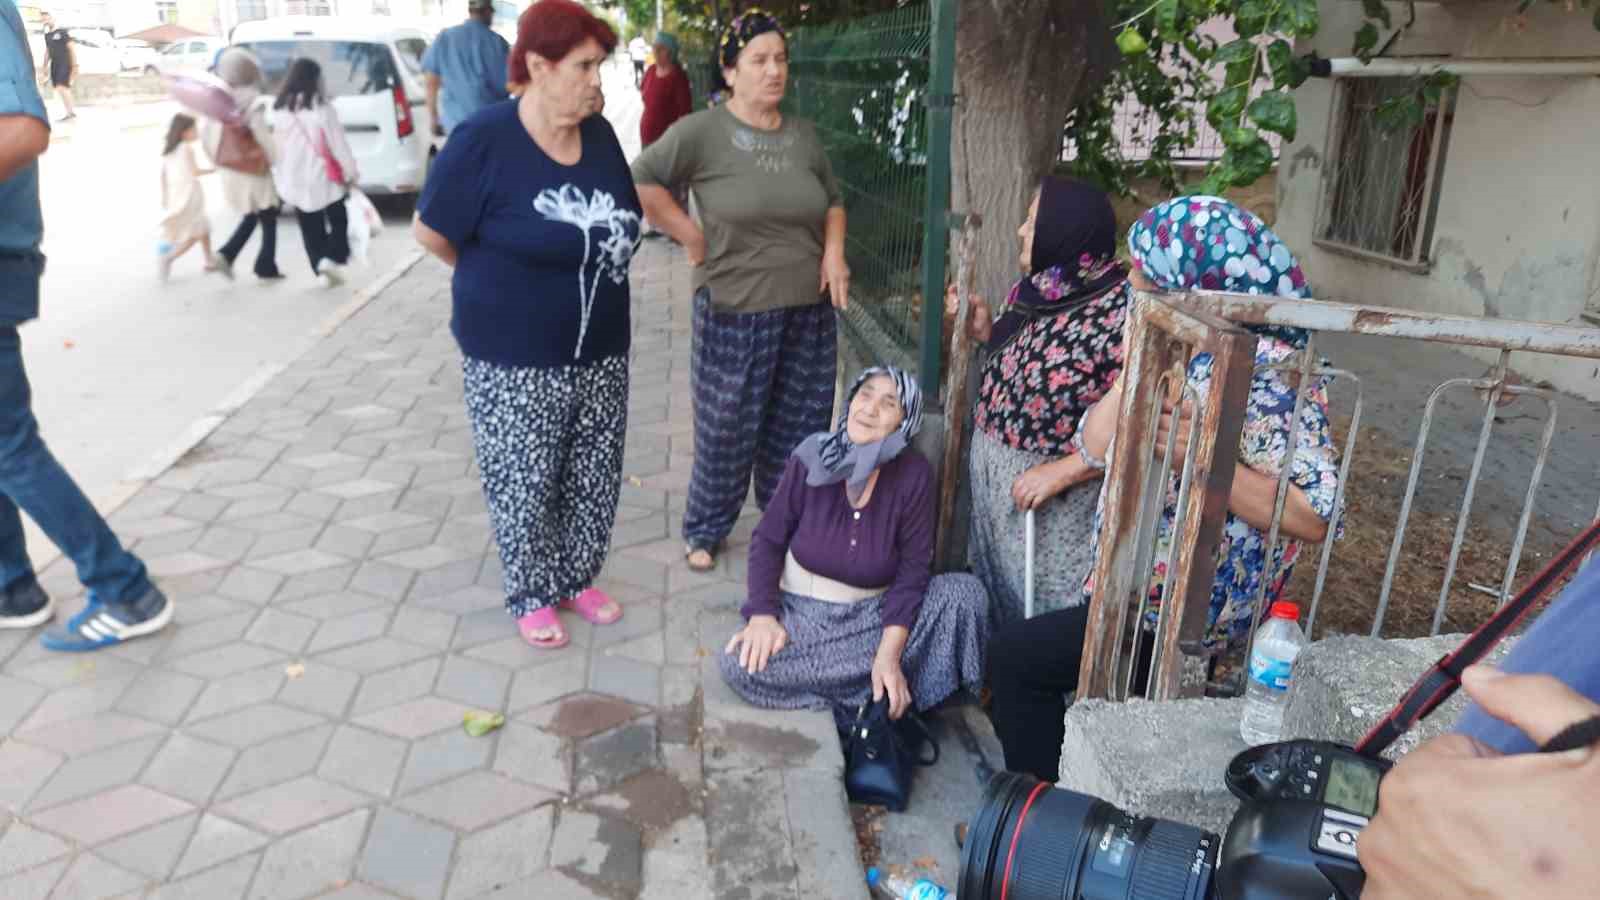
{"type": "Point", "coordinates": [1165, 332]}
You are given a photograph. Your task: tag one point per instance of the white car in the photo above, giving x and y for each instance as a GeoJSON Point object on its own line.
{"type": "Point", "coordinates": [136, 56]}
{"type": "Point", "coordinates": [190, 56]}
{"type": "Point", "coordinates": [95, 51]}
{"type": "Point", "coordinates": [372, 73]}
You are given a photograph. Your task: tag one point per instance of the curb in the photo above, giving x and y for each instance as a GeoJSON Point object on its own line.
{"type": "Point", "coordinates": [144, 473]}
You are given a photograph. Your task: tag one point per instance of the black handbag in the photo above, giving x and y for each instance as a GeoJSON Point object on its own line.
{"type": "Point", "coordinates": [881, 754]}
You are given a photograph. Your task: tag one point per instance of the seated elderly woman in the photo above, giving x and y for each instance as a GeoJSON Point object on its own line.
{"type": "Point", "coordinates": [1202, 243]}
{"type": "Point", "coordinates": [841, 605]}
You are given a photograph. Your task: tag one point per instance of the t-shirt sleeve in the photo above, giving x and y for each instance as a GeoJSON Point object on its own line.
{"type": "Point", "coordinates": [824, 170]}
{"type": "Point", "coordinates": [19, 96]}
{"type": "Point", "coordinates": [453, 197]}
{"type": "Point", "coordinates": [430, 57]}
{"type": "Point", "coordinates": [769, 545]}
{"type": "Point", "coordinates": [671, 161]}
{"type": "Point", "coordinates": [914, 544]}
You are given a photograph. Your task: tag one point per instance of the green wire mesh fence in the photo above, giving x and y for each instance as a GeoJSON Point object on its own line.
{"type": "Point", "coordinates": [867, 84]}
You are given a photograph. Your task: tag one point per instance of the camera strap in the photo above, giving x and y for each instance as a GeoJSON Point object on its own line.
{"type": "Point", "coordinates": [1441, 680]}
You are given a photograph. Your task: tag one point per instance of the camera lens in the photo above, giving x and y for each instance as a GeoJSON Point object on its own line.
{"type": "Point", "coordinates": [1033, 841]}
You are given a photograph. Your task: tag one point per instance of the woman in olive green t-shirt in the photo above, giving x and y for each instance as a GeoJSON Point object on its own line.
{"type": "Point", "coordinates": [768, 253]}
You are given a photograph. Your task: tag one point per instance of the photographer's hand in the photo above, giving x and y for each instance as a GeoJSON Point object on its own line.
{"type": "Point", "coordinates": [1456, 820]}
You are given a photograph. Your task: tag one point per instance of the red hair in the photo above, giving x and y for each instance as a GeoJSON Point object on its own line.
{"type": "Point", "coordinates": [554, 28]}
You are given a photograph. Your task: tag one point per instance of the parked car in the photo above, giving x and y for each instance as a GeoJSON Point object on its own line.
{"type": "Point", "coordinates": [190, 56]}
{"type": "Point", "coordinates": [95, 50]}
{"type": "Point", "coordinates": [372, 73]}
{"type": "Point", "coordinates": [136, 56]}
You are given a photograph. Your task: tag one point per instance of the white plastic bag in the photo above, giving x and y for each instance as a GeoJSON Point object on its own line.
{"type": "Point", "coordinates": [365, 224]}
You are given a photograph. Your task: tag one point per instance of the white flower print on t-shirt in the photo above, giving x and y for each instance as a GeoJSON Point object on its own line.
{"type": "Point", "coordinates": [599, 210]}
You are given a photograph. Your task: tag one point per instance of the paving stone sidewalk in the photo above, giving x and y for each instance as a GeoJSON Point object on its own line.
{"type": "Point", "coordinates": [298, 732]}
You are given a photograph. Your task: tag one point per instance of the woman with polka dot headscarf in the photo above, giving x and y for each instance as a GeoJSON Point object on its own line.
{"type": "Point", "coordinates": [1208, 244]}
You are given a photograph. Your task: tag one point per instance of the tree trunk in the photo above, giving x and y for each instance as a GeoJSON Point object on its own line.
{"type": "Point", "coordinates": [1021, 65]}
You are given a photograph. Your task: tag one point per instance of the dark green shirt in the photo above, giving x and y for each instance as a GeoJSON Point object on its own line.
{"type": "Point", "coordinates": [763, 199]}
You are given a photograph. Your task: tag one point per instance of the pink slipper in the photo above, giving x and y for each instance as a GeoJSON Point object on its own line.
{"type": "Point", "coordinates": [591, 605]}
{"type": "Point", "coordinates": [543, 619]}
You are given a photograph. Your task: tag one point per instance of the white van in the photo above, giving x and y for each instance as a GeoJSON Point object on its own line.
{"type": "Point", "coordinates": [372, 73]}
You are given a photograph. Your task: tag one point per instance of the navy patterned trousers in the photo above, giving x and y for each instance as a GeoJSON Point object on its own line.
{"type": "Point", "coordinates": [762, 383]}
{"type": "Point", "coordinates": [549, 443]}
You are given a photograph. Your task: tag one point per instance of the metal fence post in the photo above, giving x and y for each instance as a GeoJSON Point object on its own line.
{"type": "Point", "coordinates": [935, 232]}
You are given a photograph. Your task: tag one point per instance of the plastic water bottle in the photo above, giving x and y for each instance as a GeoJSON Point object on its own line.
{"type": "Point", "coordinates": [1271, 669]}
{"type": "Point", "coordinates": [900, 887]}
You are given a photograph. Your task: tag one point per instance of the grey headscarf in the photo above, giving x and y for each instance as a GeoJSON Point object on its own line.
{"type": "Point", "coordinates": [831, 457]}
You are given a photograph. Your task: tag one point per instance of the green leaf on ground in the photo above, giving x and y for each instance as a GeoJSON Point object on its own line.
{"type": "Point", "coordinates": [479, 722]}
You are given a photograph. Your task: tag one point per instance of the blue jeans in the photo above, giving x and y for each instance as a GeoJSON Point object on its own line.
{"type": "Point", "coordinates": [31, 478]}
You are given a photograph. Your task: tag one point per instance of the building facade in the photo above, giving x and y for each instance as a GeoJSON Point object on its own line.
{"type": "Point", "coordinates": [1487, 206]}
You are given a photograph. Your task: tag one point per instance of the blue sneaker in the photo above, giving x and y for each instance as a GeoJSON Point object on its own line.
{"type": "Point", "coordinates": [102, 624]}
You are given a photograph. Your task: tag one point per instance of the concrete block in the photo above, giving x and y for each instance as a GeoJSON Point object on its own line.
{"type": "Point", "coordinates": [1343, 685]}
{"type": "Point", "coordinates": [1155, 759]}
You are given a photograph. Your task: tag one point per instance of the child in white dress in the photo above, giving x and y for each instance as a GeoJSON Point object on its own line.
{"type": "Point", "coordinates": [183, 201]}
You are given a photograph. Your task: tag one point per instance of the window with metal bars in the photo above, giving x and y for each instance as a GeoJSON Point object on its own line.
{"type": "Point", "coordinates": [251, 10]}
{"type": "Point", "coordinates": [1382, 184]}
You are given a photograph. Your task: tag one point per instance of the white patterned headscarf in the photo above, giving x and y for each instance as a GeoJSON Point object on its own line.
{"type": "Point", "coordinates": [831, 457]}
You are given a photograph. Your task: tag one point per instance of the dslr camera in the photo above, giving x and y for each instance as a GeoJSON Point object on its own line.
{"type": "Point", "coordinates": [1302, 807]}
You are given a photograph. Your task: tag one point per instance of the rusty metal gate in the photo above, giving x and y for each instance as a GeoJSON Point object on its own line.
{"type": "Point", "coordinates": [1165, 331]}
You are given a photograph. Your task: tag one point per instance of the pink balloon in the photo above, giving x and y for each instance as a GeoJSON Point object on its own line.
{"type": "Point", "coordinates": [205, 95]}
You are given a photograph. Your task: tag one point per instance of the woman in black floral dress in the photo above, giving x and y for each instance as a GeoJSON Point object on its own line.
{"type": "Point", "coordinates": [1055, 347]}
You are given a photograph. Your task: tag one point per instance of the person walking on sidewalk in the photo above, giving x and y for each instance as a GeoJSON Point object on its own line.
{"type": "Point", "coordinates": [183, 201]}
{"type": "Point", "coordinates": [314, 168]}
{"type": "Point", "coordinates": [122, 603]}
{"type": "Point", "coordinates": [244, 164]}
{"type": "Point", "coordinates": [639, 52]}
{"type": "Point", "coordinates": [467, 64]}
{"type": "Point", "coordinates": [61, 64]}
{"type": "Point", "coordinates": [527, 201]}
{"type": "Point", "coordinates": [769, 244]}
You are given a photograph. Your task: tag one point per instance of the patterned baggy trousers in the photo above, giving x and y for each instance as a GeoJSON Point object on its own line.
{"type": "Point", "coordinates": [762, 382]}
{"type": "Point", "coordinates": [549, 443]}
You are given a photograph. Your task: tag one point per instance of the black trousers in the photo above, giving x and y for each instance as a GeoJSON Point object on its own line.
{"type": "Point", "coordinates": [326, 233]}
{"type": "Point", "coordinates": [1033, 669]}
{"type": "Point", "coordinates": [267, 255]}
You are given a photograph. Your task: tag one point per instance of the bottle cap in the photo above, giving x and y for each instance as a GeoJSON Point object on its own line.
{"type": "Point", "coordinates": [1283, 609]}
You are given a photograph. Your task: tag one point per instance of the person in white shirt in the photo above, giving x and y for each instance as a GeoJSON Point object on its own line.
{"type": "Point", "coordinates": [639, 52]}
{"type": "Point", "coordinates": [314, 168]}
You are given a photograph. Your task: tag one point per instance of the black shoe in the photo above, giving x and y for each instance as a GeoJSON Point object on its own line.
{"type": "Point", "coordinates": [25, 605]}
{"type": "Point", "coordinates": [102, 624]}
{"type": "Point", "coordinates": [271, 276]}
